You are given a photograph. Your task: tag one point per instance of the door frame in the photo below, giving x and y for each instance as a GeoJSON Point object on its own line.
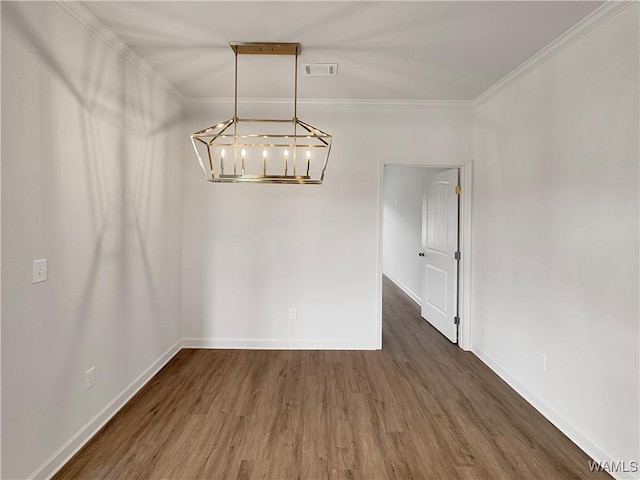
{"type": "Point", "coordinates": [466, 171]}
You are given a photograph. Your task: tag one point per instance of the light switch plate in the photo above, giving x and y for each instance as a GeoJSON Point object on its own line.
{"type": "Point", "coordinates": [39, 270]}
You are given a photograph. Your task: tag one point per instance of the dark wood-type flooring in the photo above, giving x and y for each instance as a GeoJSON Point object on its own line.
{"type": "Point", "coordinates": [420, 408]}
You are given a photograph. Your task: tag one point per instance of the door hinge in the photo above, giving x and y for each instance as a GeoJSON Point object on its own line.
{"type": "Point", "coordinates": [458, 189]}
{"type": "Point", "coordinates": [457, 256]}
{"type": "Point", "coordinates": [456, 320]}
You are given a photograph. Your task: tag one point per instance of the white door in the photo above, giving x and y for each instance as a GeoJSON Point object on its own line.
{"type": "Point", "coordinates": [439, 244]}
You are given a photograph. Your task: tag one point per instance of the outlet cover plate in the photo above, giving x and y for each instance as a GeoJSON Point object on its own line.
{"type": "Point", "coordinates": [90, 378]}
{"type": "Point", "coordinates": [542, 362]}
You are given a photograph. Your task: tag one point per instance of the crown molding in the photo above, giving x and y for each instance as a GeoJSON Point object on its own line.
{"type": "Point", "coordinates": [104, 33]}
{"type": "Point", "coordinates": [579, 30]}
{"type": "Point", "coordinates": [583, 27]}
{"type": "Point", "coordinates": [336, 102]}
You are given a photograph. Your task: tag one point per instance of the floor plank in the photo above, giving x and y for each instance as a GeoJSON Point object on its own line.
{"type": "Point", "coordinates": [420, 408]}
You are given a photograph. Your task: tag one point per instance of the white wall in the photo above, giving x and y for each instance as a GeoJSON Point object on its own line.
{"type": "Point", "coordinates": [555, 237]}
{"type": "Point", "coordinates": [253, 251]}
{"type": "Point", "coordinates": [91, 180]}
{"type": "Point", "coordinates": [402, 227]}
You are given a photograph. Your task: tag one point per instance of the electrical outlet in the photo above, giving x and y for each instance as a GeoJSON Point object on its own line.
{"type": "Point", "coordinates": [39, 270]}
{"type": "Point", "coordinates": [90, 378]}
{"type": "Point", "coordinates": [293, 314]}
{"type": "Point", "coordinates": [542, 362]}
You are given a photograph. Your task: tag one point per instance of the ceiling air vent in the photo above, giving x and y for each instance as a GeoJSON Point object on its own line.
{"type": "Point", "coordinates": [320, 69]}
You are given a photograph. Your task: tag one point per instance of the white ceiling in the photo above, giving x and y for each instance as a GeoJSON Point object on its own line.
{"type": "Point", "coordinates": [385, 50]}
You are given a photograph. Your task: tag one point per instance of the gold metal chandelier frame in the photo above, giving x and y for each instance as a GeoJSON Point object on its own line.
{"type": "Point", "coordinates": [298, 136]}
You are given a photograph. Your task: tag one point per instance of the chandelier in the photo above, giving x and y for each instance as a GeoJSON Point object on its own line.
{"type": "Point", "coordinates": [263, 150]}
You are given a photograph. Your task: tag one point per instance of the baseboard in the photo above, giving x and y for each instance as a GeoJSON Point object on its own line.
{"type": "Point", "coordinates": [59, 458]}
{"type": "Point", "coordinates": [555, 418]}
{"type": "Point", "coordinates": [56, 461]}
{"type": "Point", "coordinates": [404, 288]}
{"type": "Point", "coordinates": [278, 344]}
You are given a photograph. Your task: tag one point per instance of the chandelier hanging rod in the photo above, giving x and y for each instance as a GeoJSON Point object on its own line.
{"type": "Point", "coordinates": [266, 48]}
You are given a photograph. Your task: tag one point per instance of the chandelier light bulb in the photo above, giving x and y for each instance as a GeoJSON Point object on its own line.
{"type": "Point", "coordinates": [264, 162]}
{"type": "Point", "coordinates": [308, 154]}
{"type": "Point", "coordinates": [222, 152]}
{"type": "Point", "coordinates": [286, 163]}
{"type": "Point", "coordinates": [243, 152]}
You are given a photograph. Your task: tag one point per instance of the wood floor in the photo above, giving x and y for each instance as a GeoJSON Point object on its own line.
{"type": "Point", "coordinates": [419, 409]}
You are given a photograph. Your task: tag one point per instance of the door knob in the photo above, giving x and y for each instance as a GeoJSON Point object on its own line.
{"type": "Point", "coordinates": [421, 254]}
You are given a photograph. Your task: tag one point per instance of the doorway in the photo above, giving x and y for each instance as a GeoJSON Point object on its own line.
{"type": "Point", "coordinates": [424, 242]}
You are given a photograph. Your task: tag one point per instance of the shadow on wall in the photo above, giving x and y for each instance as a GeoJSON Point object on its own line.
{"type": "Point", "coordinates": [108, 177]}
